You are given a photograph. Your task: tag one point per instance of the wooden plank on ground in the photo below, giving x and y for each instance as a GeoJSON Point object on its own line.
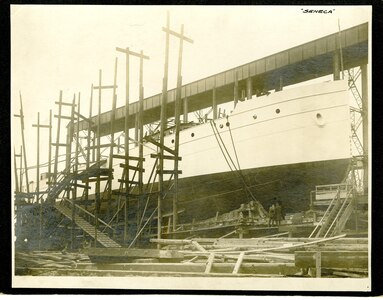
{"type": "Point", "coordinates": [171, 241]}
{"type": "Point", "coordinates": [332, 259]}
{"type": "Point", "coordinates": [318, 264]}
{"type": "Point", "coordinates": [239, 262]}
{"type": "Point", "coordinates": [198, 246]}
{"type": "Point", "coordinates": [209, 263]}
{"type": "Point", "coordinates": [200, 267]}
{"type": "Point", "coordinates": [132, 253]}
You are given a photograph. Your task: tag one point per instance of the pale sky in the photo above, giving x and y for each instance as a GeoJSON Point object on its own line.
{"type": "Point", "coordinates": [57, 48]}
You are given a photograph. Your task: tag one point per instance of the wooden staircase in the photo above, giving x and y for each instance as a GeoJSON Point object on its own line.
{"type": "Point", "coordinates": [65, 179]}
{"type": "Point", "coordinates": [65, 206]}
{"type": "Point", "coordinates": [335, 217]}
{"type": "Point", "coordinates": [102, 238]}
{"type": "Point", "coordinates": [62, 183]}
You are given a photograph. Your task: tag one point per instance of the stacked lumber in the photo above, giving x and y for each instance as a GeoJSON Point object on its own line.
{"type": "Point", "coordinates": [272, 256]}
{"type": "Point", "coordinates": [48, 259]}
{"type": "Point", "coordinates": [339, 256]}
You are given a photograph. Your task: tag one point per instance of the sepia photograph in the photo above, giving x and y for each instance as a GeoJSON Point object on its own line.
{"type": "Point", "coordinates": [219, 148]}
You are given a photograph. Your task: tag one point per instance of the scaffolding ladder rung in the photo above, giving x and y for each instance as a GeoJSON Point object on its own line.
{"type": "Point", "coordinates": [118, 156]}
{"type": "Point", "coordinates": [170, 171]}
{"type": "Point", "coordinates": [132, 168]}
{"type": "Point", "coordinates": [65, 103]}
{"type": "Point", "coordinates": [80, 185]}
{"type": "Point", "coordinates": [101, 179]}
{"type": "Point", "coordinates": [128, 182]}
{"type": "Point", "coordinates": [59, 144]}
{"type": "Point", "coordinates": [155, 155]}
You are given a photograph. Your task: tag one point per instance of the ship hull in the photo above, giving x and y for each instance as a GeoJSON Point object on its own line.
{"type": "Point", "coordinates": [203, 196]}
{"type": "Point", "coordinates": [277, 147]}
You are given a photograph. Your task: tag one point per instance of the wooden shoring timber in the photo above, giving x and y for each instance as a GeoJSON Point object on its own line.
{"type": "Point", "coordinates": [332, 259]}
{"type": "Point", "coordinates": [200, 267]}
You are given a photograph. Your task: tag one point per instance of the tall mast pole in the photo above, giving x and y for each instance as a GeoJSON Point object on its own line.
{"type": "Point", "coordinates": [113, 116]}
{"type": "Point", "coordinates": [21, 168]}
{"type": "Point", "coordinates": [162, 129]}
{"type": "Point", "coordinates": [126, 146]}
{"type": "Point", "coordinates": [50, 150]}
{"type": "Point", "coordinates": [139, 127]}
{"type": "Point", "coordinates": [177, 121]}
{"type": "Point", "coordinates": [21, 116]}
{"type": "Point", "coordinates": [58, 138]}
{"type": "Point", "coordinates": [17, 189]}
{"type": "Point", "coordinates": [38, 200]}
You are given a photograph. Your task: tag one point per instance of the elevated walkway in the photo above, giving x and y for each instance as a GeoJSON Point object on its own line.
{"type": "Point", "coordinates": [300, 63]}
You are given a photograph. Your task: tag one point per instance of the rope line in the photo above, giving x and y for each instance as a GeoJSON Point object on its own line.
{"type": "Point", "coordinates": [238, 171]}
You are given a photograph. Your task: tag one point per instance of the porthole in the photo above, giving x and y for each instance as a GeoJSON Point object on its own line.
{"type": "Point", "coordinates": [173, 141]}
{"type": "Point", "coordinates": [221, 126]}
{"type": "Point", "coordinates": [320, 120]}
{"type": "Point", "coordinates": [227, 124]}
{"type": "Point", "coordinates": [277, 110]}
{"type": "Point", "coordinates": [255, 117]}
{"type": "Point", "coordinates": [192, 135]}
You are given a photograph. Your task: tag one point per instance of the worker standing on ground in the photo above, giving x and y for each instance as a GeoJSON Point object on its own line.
{"type": "Point", "coordinates": [271, 215]}
{"type": "Point", "coordinates": [278, 214]}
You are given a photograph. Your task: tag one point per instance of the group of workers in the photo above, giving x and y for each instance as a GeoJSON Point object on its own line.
{"type": "Point", "coordinates": [276, 214]}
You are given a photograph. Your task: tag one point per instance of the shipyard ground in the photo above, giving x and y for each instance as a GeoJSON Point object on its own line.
{"type": "Point", "coordinates": [283, 251]}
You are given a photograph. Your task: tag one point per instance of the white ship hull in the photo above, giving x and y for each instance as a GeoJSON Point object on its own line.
{"type": "Point", "coordinates": [301, 136]}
